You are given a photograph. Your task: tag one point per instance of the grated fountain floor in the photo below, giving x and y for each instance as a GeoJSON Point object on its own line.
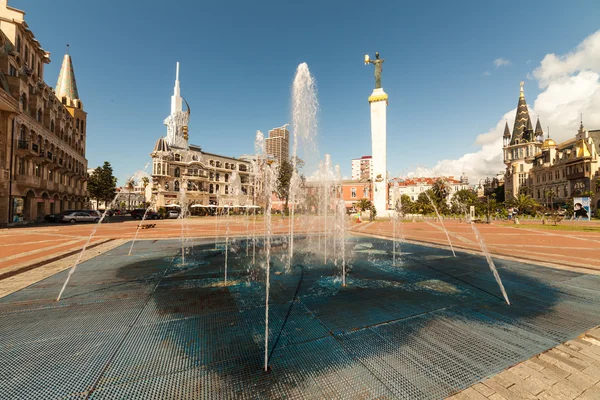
{"type": "Point", "coordinates": [142, 326]}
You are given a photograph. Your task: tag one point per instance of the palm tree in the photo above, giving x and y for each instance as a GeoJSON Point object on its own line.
{"type": "Point", "coordinates": [523, 202]}
{"type": "Point", "coordinates": [130, 185]}
{"type": "Point", "coordinates": [364, 204]}
{"type": "Point", "coordinates": [441, 189]}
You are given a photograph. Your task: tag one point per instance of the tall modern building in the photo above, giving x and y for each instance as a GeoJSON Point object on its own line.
{"type": "Point", "coordinates": [278, 143]}
{"type": "Point", "coordinates": [362, 168]}
{"type": "Point", "coordinates": [43, 168]}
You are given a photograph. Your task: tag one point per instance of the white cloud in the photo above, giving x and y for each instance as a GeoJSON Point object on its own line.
{"type": "Point", "coordinates": [571, 86]}
{"type": "Point", "coordinates": [501, 62]}
{"type": "Point", "coordinates": [586, 56]}
{"type": "Point", "coordinates": [486, 73]}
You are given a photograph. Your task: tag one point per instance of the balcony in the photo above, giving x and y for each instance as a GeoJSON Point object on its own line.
{"type": "Point", "coordinates": [576, 175]}
{"type": "Point", "coordinates": [48, 185]}
{"type": "Point", "coordinates": [28, 181]}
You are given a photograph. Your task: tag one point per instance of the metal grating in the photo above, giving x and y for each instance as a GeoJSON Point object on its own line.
{"type": "Point", "coordinates": [146, 327]}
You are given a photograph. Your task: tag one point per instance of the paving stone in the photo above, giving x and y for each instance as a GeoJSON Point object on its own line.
{"type": "Point", "coordinates": [530, 364]}
{"type": "Point", "coordinates": [498, 388]}
{"type": "Point", "coordinates": [576, 353]}
{"type": "Point", "coordinates": [484, 390]}
{"type": "Point", "coordinates": [506, 378]}
{"type": "Point", "coordinates": [594, 333]}
{"type": "Point", "coordinates": [473, 394]}
{"type": "Point", "coordinates": [551, 369]}
{"type": "Point", "coordinates": [593, 371]}
{"type": "Point", "coordinates": [547, 379]}
{"type": "Point", "coordinates": [583, 380]}
{"type": "Point", "coordinates": [568, 388]}
{"type": "Point", "coordinates": [496, 396]}
{"type": "Point", "coordinates": [592, 393]}
{"type": "Point", "coordinates": [536, 386]}
{"type": "Point", "coordinates": [522, 391]}
{"type": "Point", "coordinates": [561, 362]}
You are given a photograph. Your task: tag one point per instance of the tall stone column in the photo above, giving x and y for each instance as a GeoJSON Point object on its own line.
{"type": "Point", "coordinates": [378, 101]}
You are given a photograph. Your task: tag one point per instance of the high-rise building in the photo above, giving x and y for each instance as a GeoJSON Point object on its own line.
{"type": "Point", "coordinates": [362, 168]}
{"type": "Point", "coordinates": [43, 169]}
{"type": "Point", "coordinates": [278, 143]}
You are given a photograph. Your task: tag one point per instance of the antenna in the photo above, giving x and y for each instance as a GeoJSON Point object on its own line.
{"type": "Point", "coordinates": [67, 48]}
{"type": "Point", "coordinates": [177, 73]}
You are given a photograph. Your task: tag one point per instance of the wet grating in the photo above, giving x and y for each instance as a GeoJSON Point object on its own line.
{"type": "Point", "coordinates": [146, 326]}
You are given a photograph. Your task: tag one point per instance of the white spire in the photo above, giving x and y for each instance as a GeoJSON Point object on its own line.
{"type": "Point", "coordinates": [176, 101]}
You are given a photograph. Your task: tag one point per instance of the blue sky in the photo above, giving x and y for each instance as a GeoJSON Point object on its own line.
{"type": "Point", "coordinates": [238, 60]}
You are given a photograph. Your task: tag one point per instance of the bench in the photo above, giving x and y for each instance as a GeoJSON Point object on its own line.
{"type": "Point", "coordinates": [147, 226]}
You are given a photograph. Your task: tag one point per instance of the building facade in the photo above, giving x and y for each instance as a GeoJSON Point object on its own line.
{"type": "Point", "coordinates": [413, 187]}
{"type": "Point", "coordinates": [277, 144]}
{"type": "Point", "coordinates": [565, 170]}
{"type": "Point", "coordinates": [362, 168]}
{"type": "Point", "coordinates": [520, 149]}
{"type": "Point", "coordinates": [182, 172]}
{"type": "Point", "coordinates": [42, 131]}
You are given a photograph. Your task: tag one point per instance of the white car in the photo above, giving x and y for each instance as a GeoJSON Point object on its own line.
{"type": "Point", "coordinates": [80, 216]}
{"type": "Point", "coordinates": [173, 214]}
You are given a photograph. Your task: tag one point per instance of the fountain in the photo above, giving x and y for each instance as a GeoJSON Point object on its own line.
{"type": "Point", "coordinates": [441, 222]}
{"type": "Point", "coordinates": [304, 124]}
{"type": "Point", "coordinates": [396, 219]}
{"type": "Point", "coordinates": [74, 267]}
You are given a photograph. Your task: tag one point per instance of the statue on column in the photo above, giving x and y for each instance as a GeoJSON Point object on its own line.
{"type": "Point", "coordinates": [378, 68]}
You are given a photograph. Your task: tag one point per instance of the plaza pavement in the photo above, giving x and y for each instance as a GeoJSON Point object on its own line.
{"type": "Point", "coordinates": [569, 371]}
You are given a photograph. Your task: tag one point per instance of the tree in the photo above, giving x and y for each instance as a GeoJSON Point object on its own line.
{"type": "Point", "coordinates": [423, 204]}
{"type": "Point", "coordinates": [364, 204]}
{"type": "Point", "coordinates": [130, 186]}
{"type": "Point", "coordinates": [284, 179]}
{"type": "Point", "coordinates": [102, 184]}
{"type": "Point", "coordinates": [522, 203]}
{"type": "Point", "coordinates": [408, 206]}
{"type": "Point", "coordinates": [463, 200]}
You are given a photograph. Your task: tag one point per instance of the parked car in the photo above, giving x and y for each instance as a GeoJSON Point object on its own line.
{"type": "Point", "coordinates": [58, 217]}
{"type": "Point", "coordinates": [138, 213]}
{"type": "Point", "coordinates": [173, 214]}
{"type": "Point", "coordinates": [80, 216]}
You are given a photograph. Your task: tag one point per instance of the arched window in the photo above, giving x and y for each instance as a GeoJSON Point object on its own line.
{"type": "Point", "coordinates": [176, 186]}
{"type": "Point", "coordinates": [177, 157]}
{"type": "Point", "coordinates": [226, 177]}
{"type": "Point", "coordinates": [177, 172]}
{"type": "Point", "coordinates": [226, 189]}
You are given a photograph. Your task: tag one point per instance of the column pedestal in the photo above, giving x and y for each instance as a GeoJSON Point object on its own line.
{"type": "Point", "coordinates": [378, 101]}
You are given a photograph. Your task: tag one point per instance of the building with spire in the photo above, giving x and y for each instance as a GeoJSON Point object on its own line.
{"type": "Point", "coordinates": [183, 169]}
{"type": "Point", "coordinates": [552, 173]}
{"type": "Point", "coordinates": [519, 148]}
{"type": "Point", "coordinates": [43, 131]}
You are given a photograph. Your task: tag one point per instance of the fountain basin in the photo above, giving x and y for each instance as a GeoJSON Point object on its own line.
{"type": "Point", "coordinates": [148, 327]}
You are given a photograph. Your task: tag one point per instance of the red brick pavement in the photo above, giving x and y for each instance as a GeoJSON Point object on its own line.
{"type": "Point", "coordinates": [24, 246]}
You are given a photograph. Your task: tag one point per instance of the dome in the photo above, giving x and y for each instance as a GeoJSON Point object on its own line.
{"type": "Point", "coordinates": [161, 145]}
{"type": "Point", "coordinates": [548, 143]}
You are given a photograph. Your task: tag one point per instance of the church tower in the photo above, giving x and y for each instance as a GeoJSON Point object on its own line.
{"type": "Point", "coordinates": [520, 147]}
{"type": "Point", "coordinates": [66, 92]}
{"type": "Point", "coordinates": [177, 121]}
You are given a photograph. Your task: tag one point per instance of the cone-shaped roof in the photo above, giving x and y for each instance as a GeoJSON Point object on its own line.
{"type": "Point", "coordinates": [521, 118]}
{"type": "Point", "coordinates": [506, 130]}
{"type": "Point", "coordinates": [66, 86]}
{"type": "Point", "coordinates": [538, 128]}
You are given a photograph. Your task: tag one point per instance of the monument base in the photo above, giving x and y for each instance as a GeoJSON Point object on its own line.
{"type": "Point", "coordinates": [378, 101]}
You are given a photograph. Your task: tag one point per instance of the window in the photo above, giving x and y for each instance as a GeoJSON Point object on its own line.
{"type": "Point", "coordinates": [18, 43]}
{"type": "Point", "coordinates": [24, 102]}
{"type": "Point", "coordinates": [77, 123]}
{"type": "Point", "coordinates": [39, 115]}
{"type": "Point", "coordinates": [82, 125]}
{"type": "Point", "coordinates": [176, 186]}
{"type": "Point", "coordinates": [211, 188]}
{"type": "Point", "coordinates": [217, 176]}
{"type": "Point", "coordinates": [226, 189]}
{"type": "Point", "coordinates": [177, 157]}
{"type": "Point", "coordinates": [52, 126]}
{"type": "Point", "coordinates": [12, 71]}
{"type": "Point", "coordinates": [50, 175]}
{"type": "Point", "coordinates": [158, 171]}
{"type": "Point", "coordinates": [177, 172]}
{"type": "Point", "coordinates": [226, 179]}
{"type": "Point", "coordinates": [21, 166]}
{"type": "Point", "coordinates": [353, 193]}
